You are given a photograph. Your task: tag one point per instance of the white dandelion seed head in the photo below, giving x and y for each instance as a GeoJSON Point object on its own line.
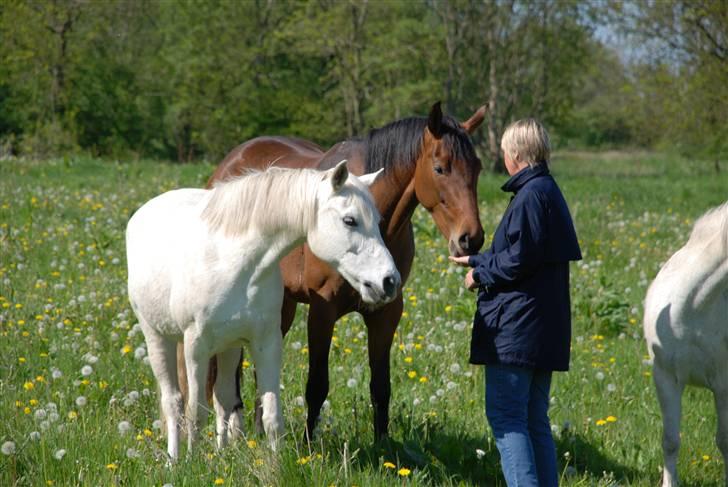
{"type": "Point", "coordinates": [8, 448]}
{"type": "Point", "coordinates": [86, 370]}
{"type": "Point", "coordinates": [124, 427]}
{"type": "Point", "coordinates": [326, 405]}
{"type": "Point", "coordinates": [451, 385]}
{"type": "Point", "coordinates": [611, 387]}
{"type": "Point", "coordinates": [140, 352]}
{"type": "Point", "coordinates": [351, 383]}
{"type": "Point", "coordinates": [34, 436]}
{"type": "Point", "coordinates": [433, 399]}
{"type": "Point", "coordinates": [296, 345]}
{"type": "Point", "coordinates": [299, 401]}
{"type": "Point", "coordinates": [479, 453]}
{"type": "Point", "coordinates": [157, 424]}
{"type": "Point", "coordinates": [40, 414]}
{"type": "Point", "coordinates": [81, 401]}
{"type": "Point", "coordinates": [132, 453]}
{"type": "Point", "coordinates": [59, 454]}
{"type": "Point", "coordinates": [56, 374]}
{"type": "Point", "coordinates": [440, 392]}
{"type": "Point", "coordinates": [416, 401]}
{"type": "Point", "coordinates": [600, 375]}
{"type": "Point", "coordinates": [455, 369]}
{"type": "Point", "coordinates": [44, 425]}
{"type": "Point", "coordinates": [53, 416]}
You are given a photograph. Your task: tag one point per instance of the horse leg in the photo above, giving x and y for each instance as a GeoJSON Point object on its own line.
{"type": "Point", "coordinates": [720, 395]}
{"type": "Point", "coordinates": [669, 393]}
{"type": "Point", "coordinates": [266, 355]}
{"type": "Point", "coordinates": [321, 319]}
{"type": "Point", "coordinates": [381, 325]}
{"type": "Point", "coordinates": [162, 359]}
{"type": "Point", "coordinates": [226, 396]}
{"type": "Point", "coordinates": [197, 364]}
{"type": "Point", "coordinates": [288, 313]}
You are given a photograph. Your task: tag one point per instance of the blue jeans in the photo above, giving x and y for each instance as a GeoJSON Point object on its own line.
{"type": "Point", "coordinates": [516, 404]}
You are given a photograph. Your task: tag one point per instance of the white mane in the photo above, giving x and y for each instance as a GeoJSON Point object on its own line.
{"type": "Point", "coordinates": [267, 199]}
{"type": "Point", "coordinates": [712, 225]}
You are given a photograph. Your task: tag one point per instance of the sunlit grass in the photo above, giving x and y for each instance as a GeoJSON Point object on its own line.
{"type": "Point", "coordinates": [78, 401]}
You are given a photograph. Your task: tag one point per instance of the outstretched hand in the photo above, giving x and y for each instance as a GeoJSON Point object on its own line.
{"type": "Point", "coordinates": [469, 280]}
{"type": "Point", "coordinates": [463, 261]}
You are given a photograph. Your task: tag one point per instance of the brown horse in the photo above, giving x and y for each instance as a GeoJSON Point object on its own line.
{"type": "Point", "coordinates": [428, 161]}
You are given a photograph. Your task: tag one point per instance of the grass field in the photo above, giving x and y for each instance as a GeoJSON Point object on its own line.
{"type": "Point", "coordinates": [78, 401]}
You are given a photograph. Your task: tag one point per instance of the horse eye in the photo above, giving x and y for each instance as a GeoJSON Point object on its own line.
{"type": "Point", "coordinates": [349, 221]}
{"type": "Point", "coordinates": [439, 170]}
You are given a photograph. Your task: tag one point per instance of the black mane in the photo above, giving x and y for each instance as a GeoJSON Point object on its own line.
{"type": "Point", "coordinates": [400, 143]}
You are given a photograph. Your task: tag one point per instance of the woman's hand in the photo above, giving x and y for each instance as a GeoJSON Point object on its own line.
{"type": "Point", "coordinates": [464, 261]}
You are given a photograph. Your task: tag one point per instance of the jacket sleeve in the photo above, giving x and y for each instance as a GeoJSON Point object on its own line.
{"type": "Point", "coordinates": [524, 252]}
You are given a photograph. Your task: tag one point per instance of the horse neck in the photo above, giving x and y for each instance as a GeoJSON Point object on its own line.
{"type": "Point", "coordinates": [396, 198]}
{"type": "Point", "coordinates": [280, 216]}
{"type": "Point", "coordinates": [710, 269]}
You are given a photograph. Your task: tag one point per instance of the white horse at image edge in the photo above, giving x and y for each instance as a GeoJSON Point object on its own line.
{"type": "Point", "coordinates": [203, 269]}
{"type": "Point", "coordinates": [686, 328]}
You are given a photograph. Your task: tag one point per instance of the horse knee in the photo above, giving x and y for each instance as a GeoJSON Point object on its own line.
{"type": "Point", "coordinates": [670, 443]}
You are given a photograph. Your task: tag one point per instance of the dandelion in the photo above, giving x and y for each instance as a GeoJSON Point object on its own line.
{"type": "Point", "coordinates": [8, 448]}
{"type": "Point", "coordinates": [124, 427]}
{"type": "Point", "coordinates": [389, 465]}
{"type": "Point", "coordinates": [40, 414]}
{"type": "Point", "coordinates": [455, 369]}
{"type": "Point", "coordinates": [34, 436]}
{"type": "Point", "coordinates": [403, 472]}
{"type": "Point", "coordinates": [132, 453]}
{"type": "Point", "coordinates": [600, 375]}
{"type": "Point", "coordinates": [611, 387]}
{"type": "Point", "coordinates": [219, 481]}
{"type": "Point", "coordinates": [28, 386]}
{"type": "Point", "coordinates": [81, 401]}
{"type": "Point", "coordinates": [601, 422]}
{"type": "Point", "coordinates": [611, 419]}
{"type": "Point", "coordinates": [59, 454]}
{"type": "Point", "coordinates": [423, 379]}
{"type": "Point", "coordinates": [479, 453]}
{"type": "Point", "coordinates": [252, 444]}
{"type": "Point", "coordinates": [351, 383]}
{"type": "Point", "coordinates": [112, 466]}
{"type": "Point", "coordinates": [157, 424]}
{"type": "Point", "coordinates": [411, 374]}
{"type": "Point", "coordinates": [86, 370]}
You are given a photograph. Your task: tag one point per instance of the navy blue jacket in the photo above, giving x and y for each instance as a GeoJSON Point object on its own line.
{"type": "Point", "coordinates": [523, 315]}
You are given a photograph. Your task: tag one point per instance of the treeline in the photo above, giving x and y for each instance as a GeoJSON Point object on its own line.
{"type": "Point", "coordinates": [184, 80]}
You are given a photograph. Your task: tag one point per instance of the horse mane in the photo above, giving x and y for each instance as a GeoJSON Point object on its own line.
{"type": "Point", "coordinates": [400, 143]}
{"type": "Point", "coordinates": [714, 223]}
{"type": "Point", "coordinates": [267, 199]}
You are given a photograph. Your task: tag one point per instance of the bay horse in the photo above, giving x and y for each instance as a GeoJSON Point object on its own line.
{"type": "Point", "coordinates": [429, 161]}
{"type": "Point", "coordinates": [686, 329]}
{"type": "Point", "coordinates": [204, 269]}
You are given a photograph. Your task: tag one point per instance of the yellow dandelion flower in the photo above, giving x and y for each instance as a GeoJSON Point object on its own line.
{"type": "Point", "coordinates": [448, 308]}
{"type": "Point", "coordinates": [33, 402]}
{"type": "Point", "coordinates": [28, 386]}
{"type": "Point", "coordinates": [148, 433]}
{"type": "Point", "coordinates": [21, 322]}
{"type": "Point", "coordinates": [411, 374]}
{"type": "Point", "coordinates": [408, 360]}
{"type": "Point", "coordinates": [347, 350]}
{"type": "Point", "coordinates": [403, 472]}
{"type": "Point", "coordinates": [112, 466]}
{"type": "Point", "coordinates": [21, 360]}
{"type": "Point", "coordinates": [601, 422]}
{"type": "Point", "coordinates": [126, 349]}
{"type": "Point", "coordinates": [72, 415]}
{"type": "Point", "coordinates": [423, 379]}
{"type": "Point", "coordinates": [246, 364]}
{"type": "Point", "coordinates": [303, 460]}
{"type": "Point", "coordinates": [252, 443]}
{"type": "Point", "coordinates": [389, 465]}
{"type": "Point", "coordinates": [611, 419]}
{"type": "Point", "coordinates": [26, 410]}
{"type": "Point", "coordinates": [219, 481]}
{"type": "Point", "coordinates": [706, 457]}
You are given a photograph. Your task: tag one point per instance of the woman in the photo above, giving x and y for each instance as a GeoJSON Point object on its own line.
{"type": "Point", "coordinates": [522, 326]}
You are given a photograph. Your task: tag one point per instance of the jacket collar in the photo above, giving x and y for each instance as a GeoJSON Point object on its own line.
{"type": "Point", "coordinates": [519, 180]}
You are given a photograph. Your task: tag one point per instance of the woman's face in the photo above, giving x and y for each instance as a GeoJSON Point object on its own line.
{"type": "Point", "coordinates": [512, 165]}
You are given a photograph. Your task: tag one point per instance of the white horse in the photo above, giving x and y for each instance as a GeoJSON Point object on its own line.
{"type": "Point", "coordinates": [686, 328]}
{"type": "Point", "coordinates": [203, 269]}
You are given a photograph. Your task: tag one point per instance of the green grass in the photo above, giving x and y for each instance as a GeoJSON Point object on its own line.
{"type": "Point", "coordinates": [63, 305]}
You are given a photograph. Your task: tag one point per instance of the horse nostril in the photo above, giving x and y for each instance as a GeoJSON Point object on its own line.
{"type": "Point", "coordinates": [464, 241]}
{"type": "Point", "coordinates": [389, 285]}
{"type": "Point", "coordinates": [367, 284]}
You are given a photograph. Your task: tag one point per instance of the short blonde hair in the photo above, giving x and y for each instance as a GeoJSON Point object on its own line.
{"type": "Point", "coordinates": [527, 141]}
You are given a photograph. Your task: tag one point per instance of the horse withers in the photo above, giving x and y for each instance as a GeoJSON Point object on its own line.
{"type": "Point", "coordinates": [204, 269]}
{"type": "Point", "coordinates": [428, 161]}
{"type": "Point", "coordinates": [686, 328]}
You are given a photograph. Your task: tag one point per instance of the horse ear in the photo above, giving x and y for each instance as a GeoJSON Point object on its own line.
{"type": "Point", "coordinates": [434, 121]}
{"type": "Point", "coordinates": [474, 121]}
{"type": "Point", "coordinates": [368, 179]}
{"type": "Point", "coordinates": [339, 174]}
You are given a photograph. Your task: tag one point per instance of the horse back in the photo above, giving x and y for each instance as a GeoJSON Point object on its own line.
{"type": "Point", "coordinates": [263, 152]}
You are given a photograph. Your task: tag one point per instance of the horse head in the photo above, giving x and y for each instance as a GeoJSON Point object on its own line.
{"type": "Point", "coordinates": [346, 235]}
{"type": "Point", "coordinates": [446, 179]}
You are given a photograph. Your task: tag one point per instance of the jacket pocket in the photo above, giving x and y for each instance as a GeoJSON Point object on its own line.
{"type": "Point", "coordinates": [489, 313]}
